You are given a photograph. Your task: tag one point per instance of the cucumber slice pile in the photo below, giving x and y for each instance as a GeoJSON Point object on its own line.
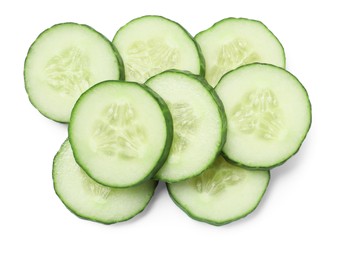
{"type": "Point", "coordinates": [212, 137]}
{"type": "Point", "coordinates": [63, 62]}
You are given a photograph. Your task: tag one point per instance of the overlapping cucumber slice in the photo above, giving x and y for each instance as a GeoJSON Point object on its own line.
{"type": "Point", "coordinates": [152, 44]}
{"type": "Point", "coordinates": [269, 115]}
{"type": "Point", "coordinates": [120, 132]}
{"type": "Point", "coordinates": [234, 42]}
{"type": "Point", "coordinates": [221, 194]}
{"type": "Point", "coordinates": [199, 123]}
{"type": "Point", "coordinates": [91, 200]}
{"type": "Point", "coordinates": [63, 62]}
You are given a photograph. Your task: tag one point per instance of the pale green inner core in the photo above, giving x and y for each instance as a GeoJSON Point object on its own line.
{"type": "Point", "coordinates": [231, 55]}
{"type": "Point", "coordinates": [118, 132]}
{"type": "Point", "coordinates": [258, 113]}
{"type": "Point", "coordinates": [185, 124]}
{"type": "Point", "coordinates": [95, 190]}
{"type": "Point", "coordinates": [68, 73]}
{"type": "Point", "coordinates": [218, 177]}
{"type": "Point", "coordinates": [147, 58]}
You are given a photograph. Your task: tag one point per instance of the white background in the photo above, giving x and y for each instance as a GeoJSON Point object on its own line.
{"type": "Point", "coordinates": [298, 217]}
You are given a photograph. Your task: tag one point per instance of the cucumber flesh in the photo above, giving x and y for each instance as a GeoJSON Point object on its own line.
{"type": "Point", "coordinates": [269, 115]}
{"type": "Point", "coordinates": [91, 200]}
{"type": "Point", "coordinates": [221, 194]}
{"type": "Point", "coordinates": [234, 42]}
{"type": "Point", "coordinates": [152, 44]}
{"type": "Point", "coordinates": [63, 62]}
{"type": "Point", "coordinates": [120, 132]}
{"type": "Point", "coordinates": [199, 123]}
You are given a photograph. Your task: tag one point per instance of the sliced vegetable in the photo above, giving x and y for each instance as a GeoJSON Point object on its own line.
{"type": "Point", "coordinates": [63, 62]}
{"type": "Point", "coordinates": [221, 194]}
{"type": "Point", "coordinates": [269, 115]}
{"type": "Point", "coordinates": [199, 123]}
{"type": "Point", "coordinates": [91, 200]}
{"type": "Point", "coordinates": [120, 132]}
{"type": "Point", "coordinates": [233, 42]}
{"type": "Point", "coordinates": [152, 44]}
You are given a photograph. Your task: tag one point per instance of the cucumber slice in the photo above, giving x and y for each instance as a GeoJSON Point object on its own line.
{"type": "Point", "coordinates": [91, 200]}
{"type": "Point", "coordinates": [221, 194]}
{"type": "Point", "coordinates": [233, 42]}
{"type": "Point", "coordinates": [120, 132]}
{"type": "Point", "coordinates": [199, 123]}
{"type": "Point", "coordinates": [269, 115]}
{"type": "Point", "coordinates": [63, 62]}
{"type": "Point", "coordinates": [152, 44]}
